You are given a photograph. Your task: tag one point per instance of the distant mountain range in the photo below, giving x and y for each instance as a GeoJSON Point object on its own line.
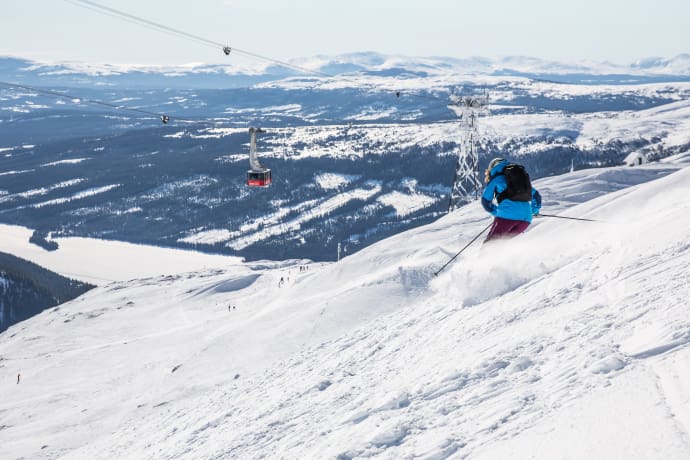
{"type": "Point", "coordinates": [364, 64]}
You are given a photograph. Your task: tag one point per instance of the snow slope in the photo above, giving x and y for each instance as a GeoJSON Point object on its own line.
{"type": "Point", "coordinates": [569, 342]}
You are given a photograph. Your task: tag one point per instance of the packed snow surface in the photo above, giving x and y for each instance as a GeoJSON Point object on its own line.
{"type": "Point", "coordinates": [570, 341]}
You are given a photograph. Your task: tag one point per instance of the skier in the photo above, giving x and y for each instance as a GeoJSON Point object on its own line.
{"type": "Point", "coordinates": [517, 201]}
{"type": "Point", "coordinates": [19, 376]}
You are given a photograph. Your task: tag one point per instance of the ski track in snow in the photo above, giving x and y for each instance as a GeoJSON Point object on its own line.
{"type": "Point", "coordinates": [575, 336]}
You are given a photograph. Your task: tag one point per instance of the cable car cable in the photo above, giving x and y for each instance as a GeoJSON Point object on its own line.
{"type": "Point", "coordinates": [166, 118]}
{"type": "Point", "coordinates": [258, 175]}
{"type": "Point", "coordinates": [112, 12]}
{"type": "Point", "coordinates": [130, 20]}
{"type": "Point", "coordinates": [163, 117]}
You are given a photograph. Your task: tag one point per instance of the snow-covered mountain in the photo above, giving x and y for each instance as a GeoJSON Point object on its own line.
{"type": "Point", "coordinates": [242, 74]}
{"type": "Point", "coordinates": [570, 341]}
{"type": "Point", "coordinates": [351, 165]}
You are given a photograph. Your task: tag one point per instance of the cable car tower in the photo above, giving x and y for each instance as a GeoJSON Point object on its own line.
{"type": "Point", "coordinates": [257, 176]}
{"type": "Point", "coordinates": [467, 183]}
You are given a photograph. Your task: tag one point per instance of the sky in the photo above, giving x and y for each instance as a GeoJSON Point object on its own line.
{"type": "Point", "coordinates": [616, 31]}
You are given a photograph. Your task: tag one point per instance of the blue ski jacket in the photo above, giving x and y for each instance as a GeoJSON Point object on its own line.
{"type": "Point", "coordinates": [508, 209]}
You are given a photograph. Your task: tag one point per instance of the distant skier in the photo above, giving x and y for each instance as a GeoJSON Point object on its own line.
{"type": "Point", "coordinates": [517, 201]}
{"type": "Point", "coordinates": [19, 376]}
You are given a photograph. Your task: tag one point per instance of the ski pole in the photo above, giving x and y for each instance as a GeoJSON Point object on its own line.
{"type": "Point", "coordinates": [571, 218]}
{"type": "Point", "coordinates": [460, 252]}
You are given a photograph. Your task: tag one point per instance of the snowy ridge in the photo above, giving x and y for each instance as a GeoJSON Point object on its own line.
{"type": "Point", "coordinates": [44, 190]}
{"type": "Point", "coordinates": [374, 62]}
{"type": "Point", "coordinates": [77, 196]}
{"type": "Point", "coordinates": [571, 341]}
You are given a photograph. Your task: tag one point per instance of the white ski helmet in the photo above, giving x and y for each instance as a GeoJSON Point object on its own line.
{"type": "Point", "coordinates": [495, 161]}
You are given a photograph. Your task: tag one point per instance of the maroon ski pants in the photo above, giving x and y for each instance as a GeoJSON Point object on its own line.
{"type": "Point", "coordinates": [506, 228]}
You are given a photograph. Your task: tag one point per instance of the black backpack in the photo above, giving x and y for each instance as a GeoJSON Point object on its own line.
{"type": "Point", "coordinates": [519, 186]}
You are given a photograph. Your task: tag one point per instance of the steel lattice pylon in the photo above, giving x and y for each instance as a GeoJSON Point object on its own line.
{"type": "Point", "coordinates": [467, 183]}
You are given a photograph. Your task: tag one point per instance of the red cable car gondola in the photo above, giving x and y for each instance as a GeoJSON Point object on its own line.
{"type": "Point", "coordinates": [257, 176]}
